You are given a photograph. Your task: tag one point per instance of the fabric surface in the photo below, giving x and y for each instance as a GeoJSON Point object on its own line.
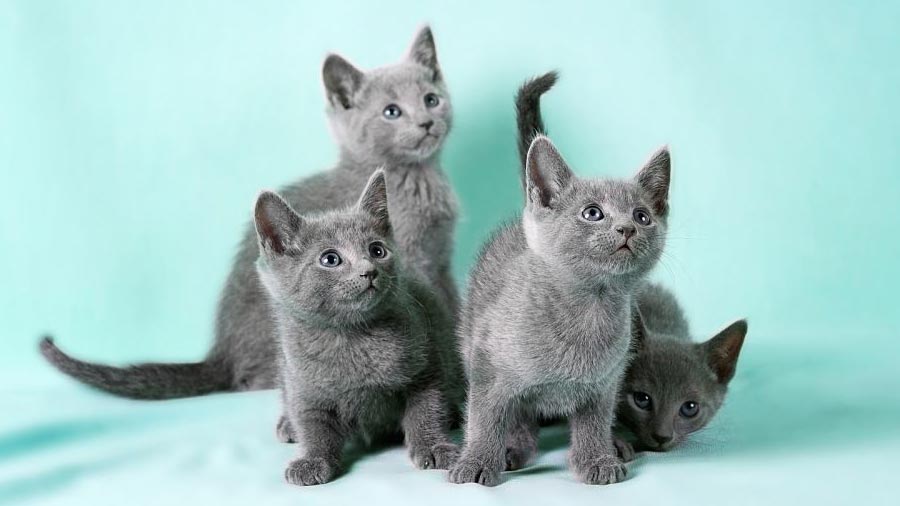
{"type": "Point", "coordinates": [799, 427]}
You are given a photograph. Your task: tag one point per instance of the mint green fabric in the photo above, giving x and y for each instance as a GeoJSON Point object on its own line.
{"type": "Point", "coordinates": [134, 137]}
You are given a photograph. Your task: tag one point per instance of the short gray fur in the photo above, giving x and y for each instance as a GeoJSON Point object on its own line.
{"type": "Point", "coordinates": [365, 351]}
{"type": "Point", "coordinates": [545, 328]}
{"type": "Point", "coordinates": [423, 210]}
{"type": "Point", "coordinates": [671, 370]}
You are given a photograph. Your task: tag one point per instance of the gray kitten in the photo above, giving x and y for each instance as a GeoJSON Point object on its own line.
{"type": "Point", "coordinates": [395, 117]}
{"type": "Point", "coordinates": [545, 328]}
{"type": "Point", "coordinates": [364, 349]}
{"type": "Point", "coordinates": [673, 386]}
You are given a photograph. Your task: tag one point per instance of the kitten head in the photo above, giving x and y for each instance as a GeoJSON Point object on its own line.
{"type": "Point", "coordinates": [336, 266]}
{"type": "Point", "coordinates": [675, 387]}
{"type": "Point", "coordinates": [394, 115]}
{"type": "Point", "coordinates": [597, 229]}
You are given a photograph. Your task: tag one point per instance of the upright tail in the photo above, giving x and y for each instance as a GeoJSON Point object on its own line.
{"type": "Point", "coordinates": [528, 111]}
{"type": "Point", "coordinates": [144, 381]}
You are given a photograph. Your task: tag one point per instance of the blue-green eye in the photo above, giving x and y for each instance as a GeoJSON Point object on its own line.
{"type": "Point", "coordinates": [330, 259]}
{"type": "Point", "coordinates": [377, 250]}
{"type": "Point", "coordinates": [642, 400]}
{"type": "Point", "coordinates": [641, 216]}
{"type": "Point", "coordinates": [431, 100]}
{"type": "Point", "coordinates": [392, 111]}
{"type": "Point", "coordinates": [592, 213]}
{"type": "Point", "coordinates": [689, 409]}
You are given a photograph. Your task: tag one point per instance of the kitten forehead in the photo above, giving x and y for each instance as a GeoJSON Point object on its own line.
{"type": "Point", "coordinates": [623, 194]}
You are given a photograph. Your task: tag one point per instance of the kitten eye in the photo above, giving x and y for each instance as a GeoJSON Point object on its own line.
{"type": "Point", "coordinates": [641, 216]}
{"type": "Point", "coordinates": [431, 100]}
{"type": "Point", "coordinates": [377, 250]}
{"type": "Point", "coordinates": [392, 111]}
{"type": "Point", "coordinates": [642, 400]}
{"type": "Point", "coordinates": [592, 213]}
{"type": "Point", "coordinates": [689, 409]}
{"type": "Point", "coordinates": [330, 259]}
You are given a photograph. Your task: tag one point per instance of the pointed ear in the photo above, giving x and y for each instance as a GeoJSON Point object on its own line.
{"type": "Point", "coordinates": [424, 52]}
{"type": "Point", "coordinates": [638, 329]}
{"type": "Point", "coordinates": [653, 178]}
{"type": "Point", "coordinates": [342, 80]}
{"type": "Point", "coordinates": [276, 223]}
{"type": "Point", "coordinates": [373, 201]}
{"type": "Point", "coordinates": [723, 349]}
{"type": "Point", "coordinates": [546, 173]}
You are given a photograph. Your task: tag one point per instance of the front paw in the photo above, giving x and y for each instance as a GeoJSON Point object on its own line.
{"type": "Point", "coordinates": [284, 432]}
{"type": "Point", "coordinates": [310, 471]}
{"type": "Point", "coordinates": [599, 471]}
{"type": "Point", "coordinates": [439, 456]}
{"type": "Point", "coordinates": [517, 458]}
{"type": "Point", "coordinates": [473, 471]}
{"type": "Point", "coordinates": [624, 449]}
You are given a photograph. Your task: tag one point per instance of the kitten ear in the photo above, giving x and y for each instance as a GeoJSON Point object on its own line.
{"type": "Point", "coordinates": [342, 80]}
{"type": "Point", "coordinates": [723, 349]}
{"type": "Point", "coordinates": [546, 173]}
{"type": "Point", "coordinates": [653, 178]}
{"type": "Point", "coordinates": [276, 223]}
{"type": "Point", "coordinates": [373, 201]}
{"type": "Point", "coordinates": [638, 329]}
{"type": "Point", "coordinates": [424, 52]}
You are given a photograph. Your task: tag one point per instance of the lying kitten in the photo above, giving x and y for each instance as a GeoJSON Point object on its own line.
{"type": "Point", "coordinates": [673, 387]}
{"type": "Point", "coordinates": [396, 117]}
{"type": "Point", "coordinates": [545, 329]}
{"type": "Point", "coordinates": [364, 349]}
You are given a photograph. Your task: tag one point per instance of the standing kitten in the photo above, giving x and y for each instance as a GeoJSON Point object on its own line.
{"type": "Point", "coordinates": [395, 117]}
{"type": "Point", "coordinates": [673, 387]}
{"type": "Point", "coordinates": [364, 350]}
{"type": "Point", "coordinates": [545, 329]}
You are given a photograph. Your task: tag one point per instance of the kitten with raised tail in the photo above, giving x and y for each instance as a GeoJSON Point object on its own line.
{"type": "Point", "coordinates": [396, 117]}
{"type": "Point", "coordinates": [673, 386]}
{"type": "Point", "coordinates": [545, 329]}
{"type": "Point", "coordinates": [364, 351]}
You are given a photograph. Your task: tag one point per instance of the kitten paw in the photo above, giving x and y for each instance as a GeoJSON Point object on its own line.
{"type": "Point", "coordinates": [473, 471]}
{"type": "Point", "coordinates": [439, 456]}
{"type": "Point", "coordinates": [600, 471]}
{"type": "Point", "coordinates": [310, 471]}
{"type": "Point", "coordinates": [517, 458]}
{"type": "Point", "coordinates": [624, 450]}
{"type": "Point", "coordinates": [284, 432]}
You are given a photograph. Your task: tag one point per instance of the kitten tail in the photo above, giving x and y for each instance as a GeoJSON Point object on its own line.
{"type": "Point", "coordinates": [144, 381]}
{"type": "Point", "coordinates": [528, 111]}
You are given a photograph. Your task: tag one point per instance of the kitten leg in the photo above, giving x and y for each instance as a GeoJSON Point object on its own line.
{"type": "Point", "coordinates": [322, 436]}
{"type": "Point", "coordinates": [521, 442]}
{"type": "Point", "coordinates": [624, 449]}
{"type": "Point", "coordinates": [425, 429]}
{"type": "Point", "coordinates": [593, 455]}
{"type": "Point", "coordinates": [283, 430]}
{"type": "Point", "coordinates": [483, 457]}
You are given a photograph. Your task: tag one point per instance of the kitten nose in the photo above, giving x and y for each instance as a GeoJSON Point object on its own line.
{"type": "Point", "coordinates": [626, 230]}
{"type": "Point", "coordinates": [661, 440]}
{"type": "Point", "coordinates": [427, 125]}
{"type": "Point", "coordinates": [371, 274]}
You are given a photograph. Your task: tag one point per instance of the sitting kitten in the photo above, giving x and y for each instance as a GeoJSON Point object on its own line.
{"type": "Point", "coordinates": [673, 386]}
{"type": "Point", "coordinates": [395, 117]}
{"type": "Point", "coordinates": [363, 349]}
{"type": "Point", "coordinates": [545, 329]}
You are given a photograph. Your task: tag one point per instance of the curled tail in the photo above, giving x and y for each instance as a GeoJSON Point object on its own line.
{"type": "Point", "coordinates": [144, 381]}
{"type": "Point", "coordinates": [528, 111]}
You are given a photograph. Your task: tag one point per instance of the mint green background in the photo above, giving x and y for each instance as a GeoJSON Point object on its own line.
{"type": "Point", "coordinates": [135, 135]}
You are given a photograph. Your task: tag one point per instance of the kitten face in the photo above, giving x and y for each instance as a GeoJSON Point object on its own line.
{"type": "Point", "coordinates": [601, 228]}
{"type": "Point", "coordinates": [675, 387]}
{"type": "Point", "coordinates": [337, 266]}
{"type": "Point", "coordinates": [399, 114]}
